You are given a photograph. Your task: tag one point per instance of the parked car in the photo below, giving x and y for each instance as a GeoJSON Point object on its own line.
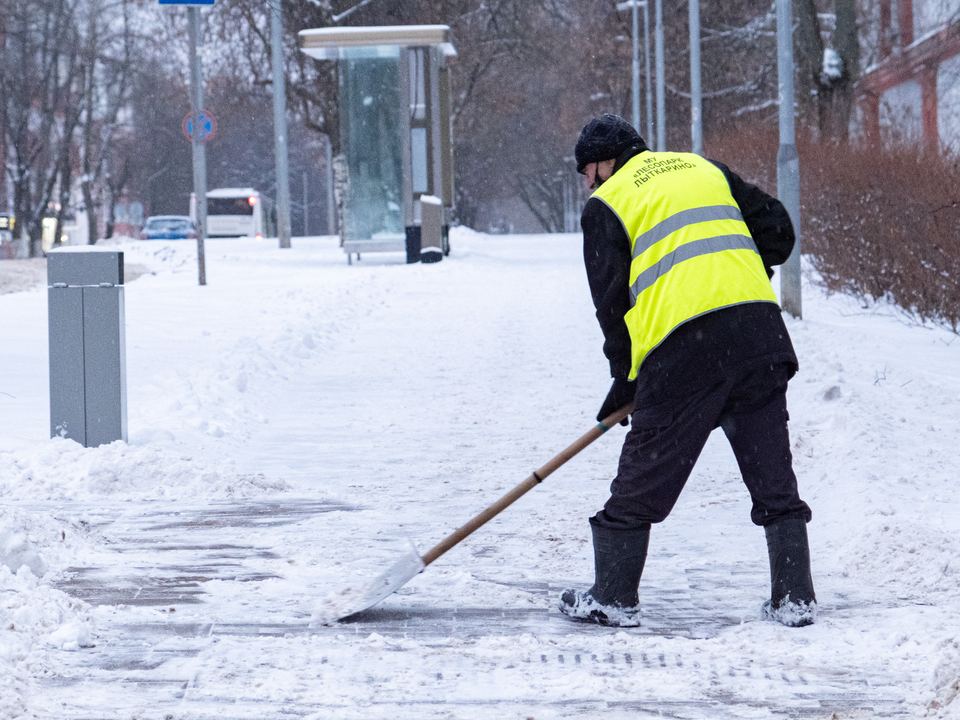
{"type": "Point", "coordinates": [168, 227]}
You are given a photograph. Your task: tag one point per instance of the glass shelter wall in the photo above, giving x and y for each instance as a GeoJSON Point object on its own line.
{"type": "Point", "coordinates": [420, 117]}
{"type": "Point", "coordinates": [395, 132]}
{"type": "Point", "coordinates": [370, 132]}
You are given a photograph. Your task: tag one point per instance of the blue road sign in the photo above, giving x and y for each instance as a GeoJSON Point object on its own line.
{"type": "Point", "coordinates": [208, 125]}
{"type": "Point", "coordinates": [186, 2]}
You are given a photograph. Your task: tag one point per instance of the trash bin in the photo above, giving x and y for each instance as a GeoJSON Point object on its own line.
{"type": "Point", "coordinates": [431, 229]}
{"type": "Point", "coordinates": [88, 379]}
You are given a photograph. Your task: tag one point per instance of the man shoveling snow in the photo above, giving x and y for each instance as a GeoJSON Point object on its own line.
{"type": "Point", "coordinates": [678, 252]}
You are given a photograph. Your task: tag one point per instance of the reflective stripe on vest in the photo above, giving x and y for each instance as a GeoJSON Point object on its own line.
{"type": "Point", "coordinates": [685, 252]}
{"type": "Point", "coordinates": [692, 253]}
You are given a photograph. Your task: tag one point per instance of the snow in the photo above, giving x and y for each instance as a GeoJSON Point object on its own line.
{"type": "Point", "coordinates": [832, 65]}
{"type": "Point", "coordinates": [294, 424]}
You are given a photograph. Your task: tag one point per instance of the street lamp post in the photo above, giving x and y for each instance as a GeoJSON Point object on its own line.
{"type": "Point", "coordinates": [788, 165]}
{"type": "Point", "coordinates": [635, 70]}
{"type": "Point", "coordinates": [661, 91]}
{"type": "Point", "coordinates": [646, 52]}
{"type": "Point", "coordinates": [280, 126]}
{"type": "Point", "coordinates": [199, 150]}
{"type": "Point", "coordinates": [696, 103]}
{"type": "Point", "coordinates": [633, 5]}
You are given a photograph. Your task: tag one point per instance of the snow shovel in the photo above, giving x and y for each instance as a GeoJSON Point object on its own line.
{"type": "Point", "coordinates": [353, 600]}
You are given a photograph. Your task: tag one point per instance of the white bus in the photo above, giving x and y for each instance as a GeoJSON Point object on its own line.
{"type": "Point", "coordinates": [236, 212]}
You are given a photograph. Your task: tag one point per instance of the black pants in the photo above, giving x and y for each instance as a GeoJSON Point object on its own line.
{"type": "Point", "coordinates": [668, 432]}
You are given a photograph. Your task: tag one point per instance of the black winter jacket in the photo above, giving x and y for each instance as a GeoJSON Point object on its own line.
{"type": "Point", "coordinates": [704, 350]}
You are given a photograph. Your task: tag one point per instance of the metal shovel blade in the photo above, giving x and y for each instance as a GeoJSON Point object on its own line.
{"type": "Point", "coordinates": [354, 599]}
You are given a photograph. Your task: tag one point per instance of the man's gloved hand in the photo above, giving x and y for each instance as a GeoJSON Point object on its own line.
{"type": "Point", "coordinates": [621, 393]}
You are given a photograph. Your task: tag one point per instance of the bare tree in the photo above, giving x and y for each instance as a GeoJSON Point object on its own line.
{"type": "Point", "coordinates": [491, 38]}
{"type": "Point", "coordinates": [41, 75]}
{"type": "Point", "coordinates": [830, 55]}
{"type": "Point", "coordinates": [117, 176]}
{"type": "Point", "coordinates": [64, 79]}
{"type": "Point", "coordinates": [242, 34]}
{"type": "Point", "coordinates": [98, 109]}
{"type": "Point", "coordinates": [109, 58]}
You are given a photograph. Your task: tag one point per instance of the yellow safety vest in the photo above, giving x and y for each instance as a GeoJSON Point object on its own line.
{"type": "Point", "coordinates": [692, 252]}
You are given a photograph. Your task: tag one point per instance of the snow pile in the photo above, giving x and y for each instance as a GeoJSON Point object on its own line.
{"type": "Point", "coordinates": [17, 550]}
{"type": "Point", "coordinates": [157, 256]}
{"type": "Point", "coordinates": [45, 542]}
{"type": "Point", "coordinates": [946, 681]}
{"type": "Point", "coordinates": [215, 401]}
{"type": "Point", "coordinates": [18, 541]}
{"type": "Point", "coordinates": [873, 422]}
{"type": "Point", "coordinates": [914, 561]}
{"type": "Point", "coordinates": [64, 469]}
{"type": "Point", "coordinates": [71, 636]}
{"type": "Point", "coordinates": [34, 620]}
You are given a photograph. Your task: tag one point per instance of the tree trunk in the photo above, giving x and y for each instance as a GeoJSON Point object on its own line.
{"type": "Point", "coordinates": [848, 48]}
{"type": "Point", "coordinates": [86, 187]}
{"type": "Point", "coordinates": [111, 208]}
{"type": "Point", "coordinates": [4, 205]}
{"type": "Point", "coordinates": [63, 199]}
{"type": "Point", "coordinates": [834, 92]}
{"type": "Point", "coordinates": [91, 100]}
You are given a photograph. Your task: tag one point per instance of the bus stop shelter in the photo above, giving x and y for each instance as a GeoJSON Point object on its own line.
{"type": "Point", "coordinates": [395, 133]}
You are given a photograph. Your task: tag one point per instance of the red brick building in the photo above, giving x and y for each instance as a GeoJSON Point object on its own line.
{"type": "Point", "coordinates": [912, 92]}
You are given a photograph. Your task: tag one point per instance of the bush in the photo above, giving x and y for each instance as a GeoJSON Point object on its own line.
{"type": "Point", "coordinates": [881, 225]}
{"type": "Point", "coordinates": [885, 225]}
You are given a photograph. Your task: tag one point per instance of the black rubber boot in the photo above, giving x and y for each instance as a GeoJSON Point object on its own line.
{"type": "Point", "coordinates": [619, 556]}
{"type": "Point", "coordinates": [792, 600]}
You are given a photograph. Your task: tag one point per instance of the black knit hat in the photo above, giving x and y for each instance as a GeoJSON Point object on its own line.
{"type": "Point", "coordinates": [604, 138]}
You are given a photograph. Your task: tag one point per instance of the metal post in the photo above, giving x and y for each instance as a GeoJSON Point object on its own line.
{"type": "Point", "coordinates": [280, 126]}
{"type": "Point", "coordinates": [635, 87]}
{"type": "Point", "coordinates": [306, 206]}
{"type": "Point", "coordinates": [696, 102]}
{"type": "Point", "coordinates": [788, 165]}
{"type": "Point", "coordinates": [646, 50]}
{"type": "Point", "coordinates": [635, 64]}
{"type": "Point", "coordinates": [199, 151]}
{"type": "Point", "coordinates": [331, 198]}
{"type": "Point", "coordinates": [88, 386]}
{"type": "Point", "coordinates": [661, 100]}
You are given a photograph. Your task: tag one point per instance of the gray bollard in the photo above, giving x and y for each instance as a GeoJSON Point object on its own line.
{"type": "Point", "coordinates": [431, 229]}
{"type": "Point", "coordinates": [88, 374]}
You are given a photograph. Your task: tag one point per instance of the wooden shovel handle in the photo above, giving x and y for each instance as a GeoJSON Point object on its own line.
{"type": "Point", "coordinates": [537, 477]}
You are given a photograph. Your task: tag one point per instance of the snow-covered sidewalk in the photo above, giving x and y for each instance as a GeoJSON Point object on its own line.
{"type": "Point", "coordinates": [296, 422]}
